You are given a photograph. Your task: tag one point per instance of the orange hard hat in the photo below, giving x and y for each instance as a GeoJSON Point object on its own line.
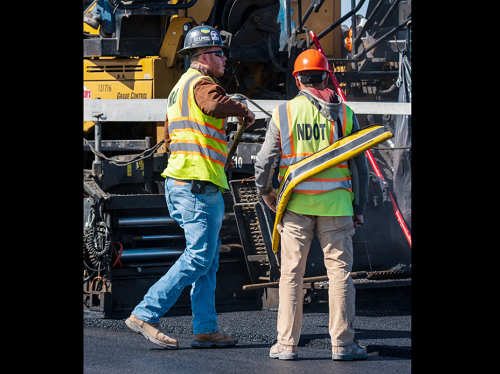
{"type": "Point", "coordinates": [310, 59]}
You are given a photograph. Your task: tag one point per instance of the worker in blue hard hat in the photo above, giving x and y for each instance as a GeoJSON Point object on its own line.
{"type": "Point", "coordinates": [197, 109]}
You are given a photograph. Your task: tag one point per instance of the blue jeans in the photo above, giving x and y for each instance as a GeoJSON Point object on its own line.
{"type": "Point", "coordinates": [201, 218]}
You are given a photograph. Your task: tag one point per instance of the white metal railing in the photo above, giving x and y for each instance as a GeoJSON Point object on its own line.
{"type": "Point", "coordinates": [153, 110]}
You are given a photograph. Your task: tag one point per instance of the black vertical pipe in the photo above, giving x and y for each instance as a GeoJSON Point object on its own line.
{"type": "Point", "coordinates": [353, 28]}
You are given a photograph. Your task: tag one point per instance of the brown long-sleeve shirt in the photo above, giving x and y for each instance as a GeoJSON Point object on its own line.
{"type": "Point", "coordinates": [211, 99]}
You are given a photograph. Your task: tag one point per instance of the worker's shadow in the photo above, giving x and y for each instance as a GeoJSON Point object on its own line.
{"type": "Point", "coordinates": [237, 346]}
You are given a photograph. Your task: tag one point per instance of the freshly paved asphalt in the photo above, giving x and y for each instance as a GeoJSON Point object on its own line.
{"type": "Point", "coordinates": [110, 347]}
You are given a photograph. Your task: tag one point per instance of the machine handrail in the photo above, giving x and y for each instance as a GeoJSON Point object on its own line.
{"type": "Point", "coordinates": [153, 110]}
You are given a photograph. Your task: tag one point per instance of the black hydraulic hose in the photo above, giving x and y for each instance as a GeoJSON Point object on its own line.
{"type": "Point", "coordinates": [98, 257]}
{"type": "Point", "coordinates": [315, 5]}
{"type": "Point", "coordinates": [299, 17]}
{"type": "Point", "coordinates": [90, 234]}
{"type": "Point", "coordinates": [213, 13]}
{"type": "Point", "coordinates": [337, 23]}
{"type": "Point", "coordinates": [271, 55]}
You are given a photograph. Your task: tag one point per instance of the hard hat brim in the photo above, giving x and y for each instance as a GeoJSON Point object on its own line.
{"type": "Point", "coordinates": [295, 72]}
{"type": "Point", "coordinates": [185, 51]}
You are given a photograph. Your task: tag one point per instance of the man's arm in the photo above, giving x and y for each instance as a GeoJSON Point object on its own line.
{"type": "Point", "coordinates": [358, 167]}
{"type": "Point", "coordinates": [212, 100]}
{"type": "Point", "coordinates": [267, 159]}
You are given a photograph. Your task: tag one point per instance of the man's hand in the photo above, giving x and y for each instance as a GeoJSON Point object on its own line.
{"type": "Point", "coordinates": [251, 118]}
{"type": "Point", "coordinates": [358, 220]}
{"type": "Point", "coordinates": [270, 200]}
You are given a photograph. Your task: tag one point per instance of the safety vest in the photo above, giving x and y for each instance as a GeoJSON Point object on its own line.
{"type": "Point", "coordinates": [303, 132]}
{"type": "Point", "coordinates": [198, 142]}
{"type": "Point", "coordinates": [342, 150]}
{"type": "Point", "coordinates": [348, 41]}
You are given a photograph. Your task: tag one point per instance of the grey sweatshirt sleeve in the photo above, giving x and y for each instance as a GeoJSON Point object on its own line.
{"type": "Point", "coordinates": [359, 176]}
{"type": "Point", "coordinates": [267, 159]}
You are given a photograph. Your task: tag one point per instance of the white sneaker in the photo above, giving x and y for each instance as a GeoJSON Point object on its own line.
{"type": "Point", "coordinates": [284, 352]}
{"type": "Point", "coordinates": [349, 352]}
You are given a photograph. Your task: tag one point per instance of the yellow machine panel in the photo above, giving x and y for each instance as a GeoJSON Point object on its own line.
{"type": "Point", "coordinates": [113, 69]}
{"type": "Point", "coordinates": [115, 89]}
{"type": "Point", "coordinates": [124, 78]}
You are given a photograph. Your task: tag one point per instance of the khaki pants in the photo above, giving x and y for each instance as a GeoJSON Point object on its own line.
{"type": "Point", "coordinates": [335, 236]}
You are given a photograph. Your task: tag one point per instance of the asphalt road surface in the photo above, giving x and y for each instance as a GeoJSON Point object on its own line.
{"type": "Point", "coordinates": [110, 347]}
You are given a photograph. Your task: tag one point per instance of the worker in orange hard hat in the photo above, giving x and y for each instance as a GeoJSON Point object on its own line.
{"type": "Point", "coordinates": [310, 60]}
{"type": "Point", "coordinates": [331, 203]}
{"type": "Point", "coordinates": [347, 42]}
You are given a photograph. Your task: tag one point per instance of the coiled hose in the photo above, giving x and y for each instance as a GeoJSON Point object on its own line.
{"type": "Point", "coordinates": [95, 237]}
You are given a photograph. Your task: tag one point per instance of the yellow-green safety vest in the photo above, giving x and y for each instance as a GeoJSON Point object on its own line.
{"type": "Point", "coordinates": [303, 132]}
{"type": "Point", "coordinates": [198, 142]}
{"type": "Point", "coordinates": [342, 150]}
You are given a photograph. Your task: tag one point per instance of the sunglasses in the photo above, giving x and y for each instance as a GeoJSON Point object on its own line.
{"type": "Point", "coordinates": [218, 53]}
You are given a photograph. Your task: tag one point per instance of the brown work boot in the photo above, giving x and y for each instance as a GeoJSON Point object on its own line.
{"type": "Point", "coordinates": [284, 352]}
{"type": "Point", "coordinates": [152, 331]}
{"type": "Point", "coordinates": [213, 340]}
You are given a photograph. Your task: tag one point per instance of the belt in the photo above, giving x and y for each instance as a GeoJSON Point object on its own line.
{"type": "Point", "coordinates": [191, 181]}
{"type": "Point", "coordinates": [197, 186]}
